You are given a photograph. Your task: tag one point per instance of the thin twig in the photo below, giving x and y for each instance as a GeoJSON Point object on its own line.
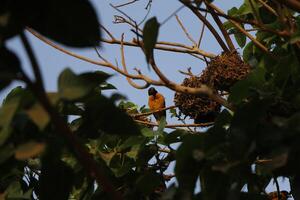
{"type": "Point", "coordinates": [277, 188]}
{"type": "Point", "coordinates": [107, 32]}
{"type": "Point", "coordinates": [150, 113]}
{"type": "Point", "coordinates": [104, 64]}
{"type": "Point", "coordinates": [243, 21]}
{"type": "Point", "coordinates": [202, 32]}
{"type": "Point", "coordinates": [207, 23]}
{"type": "Point", "coordinates": [269, 8]}
{"type": "Point", "coordinates": [34, 62]}
{"type": "Point", "coordinates": [125, 68]}
{"type": "Point", "coordinates": [221, 27]}
{"type": "Point", "coordinates": [242, 30]}
{"type": "Point", "coordinates": [169, 17]}
{"type": "Point", "coordinates": [125, 4]}
{"type": "Point", "coordinates": [185, 31]}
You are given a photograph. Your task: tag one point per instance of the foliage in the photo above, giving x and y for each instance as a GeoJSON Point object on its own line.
{"type": "Point", "coordinates": [78, 144]}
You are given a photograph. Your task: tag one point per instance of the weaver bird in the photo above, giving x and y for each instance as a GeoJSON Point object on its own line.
{"type": "Point", "coordinates": [156, 102]}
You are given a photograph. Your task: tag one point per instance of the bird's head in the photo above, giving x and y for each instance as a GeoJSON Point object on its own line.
{"type": "Point", "coordinates": [152, 91]}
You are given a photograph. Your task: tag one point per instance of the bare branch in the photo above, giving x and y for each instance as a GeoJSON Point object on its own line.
{"type": "Point", "coordinates": [107, 32]}
{"type": "Point", "coordinates": [125, 4]}
{"type": "Point", "coordinates": [268, 7]}
{"type": "Point", "coordinates": [163, 82]}
{"type": "Point", "coordinates": [202, 32]}
{"type": "Point", "coordinates": [104, 64]}
{"type": "Point", "coordinates": [162, 46]}
{"type": "Point", "coordinates": [150, 113]}
{"type": "Point", "coordinates": [292, 4]}
{"type": "Point", "coordinates": [125, 68]}
{"type": "Point", "coordinates": [175, 125]}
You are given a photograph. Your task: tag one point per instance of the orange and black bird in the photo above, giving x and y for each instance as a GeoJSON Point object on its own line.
{"type": "Point", "coordinates": [156, 101]}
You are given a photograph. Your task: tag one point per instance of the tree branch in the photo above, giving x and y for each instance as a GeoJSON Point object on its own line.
{"type": "Point", "coordinates": [221, 27]}
{"type": "Point", "coordinates": [242, 30]}
{"type": "Point", "coordinates": [207, 23]}
{"type": "Point", "coordinates": [175, 125]}
{"type": "Point", "coordinates": [33, 61]}
{"type": "Point", "coordinates": [125, 68]}
{"type": "Point", "coordinates": [150, 113]}
{"type": "Point", "coordinates": [292, 4]}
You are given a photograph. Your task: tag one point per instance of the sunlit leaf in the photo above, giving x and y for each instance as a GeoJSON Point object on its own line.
{"type": "Point", "coordinates": [29, 150]}
{"type": "Point", "coordinates": [38, 115]}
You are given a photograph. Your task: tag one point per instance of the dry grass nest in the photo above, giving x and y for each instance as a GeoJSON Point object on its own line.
{"type": "Point", "coordinates": [199, 108]}
{"type": "Point", "coordinates": [222, 72]}
{"type": "Point", "coordinates": [225, 70]}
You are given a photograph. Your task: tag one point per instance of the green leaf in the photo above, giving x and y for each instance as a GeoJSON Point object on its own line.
{"type": "Point", "coordinates": [245, 8]}
{"type": "Point", "coordinates": [121, 165]}
{"type": "Point", "coordinates": [175, 136]}
{"type": "Point", "coordinates": [147, 132]}
{"type": "Point", "coordinates": [161, 127]}
{"type": "Point", "coordinates": [228, 25]}
{"type": "Point", "coordinates": [189, 157]}
{"type": "Point", "coordinates": [240, 38]}
{"type": "Point", "coordinates": [73, 87]}
{"type": "Point", "coordinates": [232, 12]}
{"type": "Point", "coordinates": [14, 192]}
{"type": "Point", "coordinates": [8, 110]}
{"type": "Point", "coordinates": [6, 152]}
{"type": "Point", "coordinates": [38, 115]}
{"type": "Point", "coordinates": [242, 88]}
{"type": "Point", "coordinates": [150, 35]}
{"type": "Point", "coordinates": [107, 156]}
{"type": "Point", "coordinates": [70, 22]}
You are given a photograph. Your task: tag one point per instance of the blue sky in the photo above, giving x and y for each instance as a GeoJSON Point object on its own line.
{"type": "Point", "coordinates": [53, 61]}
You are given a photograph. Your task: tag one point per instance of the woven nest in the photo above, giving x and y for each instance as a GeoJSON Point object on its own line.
{"type": "Point", "coordinates": [199, 108]}
{"type": "Point", "coordinates": [225, 70]}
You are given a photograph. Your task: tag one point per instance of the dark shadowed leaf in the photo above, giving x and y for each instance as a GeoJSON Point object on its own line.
{"type": "Point", "coordinates": [71, 22]}
{"type": "Point", "coordinates": [150, 35]}
{"type": "Point", "coordinates": [9, 66]}
{"type": "Point", "coordinates": [146, 186]}
{"type": "Point", "coordinates": [240, 38]}
{"type": "Point", "coordinates": [175, 136]}
{"type": "Point", "coordinates": [102, 114]}
{"type": "Point", "coordinates": [189, 157]}
{"type": "Point", "coordinates": [56, 178]}
{"type": "Point", "coordinates": [72, 86]}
